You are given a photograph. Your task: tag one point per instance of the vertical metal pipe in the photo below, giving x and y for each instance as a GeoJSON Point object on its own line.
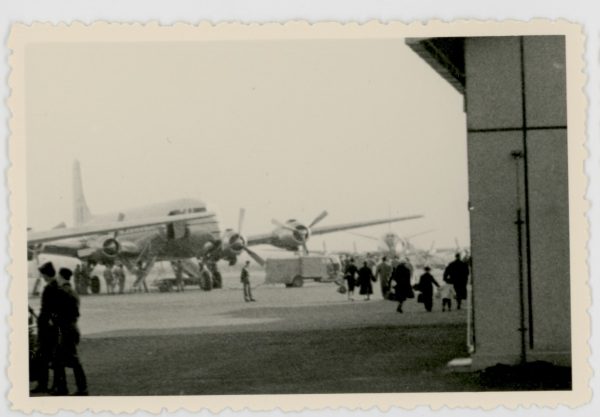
{"type": "Point", "coordinates": [517, 156]}
{"type": "Point", "coordinates": [526, 186]}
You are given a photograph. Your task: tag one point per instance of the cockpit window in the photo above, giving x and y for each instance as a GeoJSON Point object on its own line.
{"type": "Point", "coordinates": [188, 210]}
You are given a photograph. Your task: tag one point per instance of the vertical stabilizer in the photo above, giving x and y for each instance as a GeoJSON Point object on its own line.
{"type": "Point", "coordinates": [81, 212]}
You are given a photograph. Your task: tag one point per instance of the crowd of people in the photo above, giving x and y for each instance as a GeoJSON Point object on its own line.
{"type": "Point", "coordinates": [57, 334]}
{"type": "Point", "coordinates": [396, 281]}
{"type": "Point", "coordinates": [115, 279]}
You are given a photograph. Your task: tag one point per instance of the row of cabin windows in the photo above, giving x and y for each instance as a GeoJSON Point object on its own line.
{"type": "Point", "coordinates": [187, 211]}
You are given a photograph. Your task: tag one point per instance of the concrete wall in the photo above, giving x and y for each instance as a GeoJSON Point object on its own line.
{"type": "Point", "coordinates": [516, 101]}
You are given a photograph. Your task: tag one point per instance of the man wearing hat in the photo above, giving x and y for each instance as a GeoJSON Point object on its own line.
{"type": "Point", "coordinates": [425, 285]}
{"type": "Point", "coordinates": [457, 274]}
{"type": "Point", "coordinates": [67, 316]}
{"type": "Point", "coordinates": [47, 329]}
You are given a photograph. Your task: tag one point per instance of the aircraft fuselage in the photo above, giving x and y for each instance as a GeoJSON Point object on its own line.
{"type": "Point", "coordinates": [165, 241]}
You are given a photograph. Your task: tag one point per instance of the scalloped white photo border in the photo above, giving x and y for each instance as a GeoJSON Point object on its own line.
{"type": "Point", "coordinates": [23, 35]}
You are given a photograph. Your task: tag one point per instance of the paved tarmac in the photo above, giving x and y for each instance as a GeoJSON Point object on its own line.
{"type": "Point", "coordinates": [292, 340]}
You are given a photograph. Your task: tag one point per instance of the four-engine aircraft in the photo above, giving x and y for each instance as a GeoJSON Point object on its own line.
{"type": "Point", "coordinates": [174, 230]}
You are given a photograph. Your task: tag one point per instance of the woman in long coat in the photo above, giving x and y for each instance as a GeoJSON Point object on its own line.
{"type": "Point", "coordinates": [350, 276]}
{"type": "Point", "coordinates": [365, 276]}
{"type": "Point", "coordinates": [402, 288]}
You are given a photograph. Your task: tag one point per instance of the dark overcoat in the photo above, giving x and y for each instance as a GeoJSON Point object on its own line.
{"type": "Point", "coordinates": [402, 288]}
{"type": "Point", "coordinates": [365, 276]}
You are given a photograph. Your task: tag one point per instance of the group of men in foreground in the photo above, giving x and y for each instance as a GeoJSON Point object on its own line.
{"type": "Point", "coordinates": [58, 334]}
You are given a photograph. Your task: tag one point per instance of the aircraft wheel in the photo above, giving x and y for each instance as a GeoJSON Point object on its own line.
{"type": "Point", "coordinates": [298, 282]}
{"type": "Point", "coordinates": [217, 280]}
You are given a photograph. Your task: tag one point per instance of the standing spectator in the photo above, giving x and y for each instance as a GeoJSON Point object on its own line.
{"type": "Point", "coordinates": [179, 275]}
{"type": "Point", "coordinates": [119, 277]}
{"type": "Point", "coordinates": [245, 279]}
{"type": "Point", "coordinates": [350, 276]}
{"type": "Point", "coordinates": [67, 316]}
{"type": "Point", "coordinates": [384, 273]}
{"type": "Point", "coordinates": [365, 276]}
{"type": "Point", "coordinates": [140, 280]}
{"type": "Point", "coordinates": [47, 328]}
{"type": "Point", "coordinates": [457, 274]}
{"type": "Point", "coordinates": [425, 286]}
{"type": "Point", "coordinates": [109, 279]}
{"type": "Point", "coordinates": [86, 276]}
{"type": "Point", "coordinates": [78, 279]}
{"type": "Point", "coordinates": [217, 278]}
{"type": "Point", "coordinates": [403, 287]}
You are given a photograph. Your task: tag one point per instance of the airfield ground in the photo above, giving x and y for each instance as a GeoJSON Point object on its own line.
{"type": "Point", "coordinates": [298, 340]}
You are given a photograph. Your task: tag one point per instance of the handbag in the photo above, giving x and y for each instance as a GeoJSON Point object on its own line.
{"type": "Point", "coordinates": [420, 298]}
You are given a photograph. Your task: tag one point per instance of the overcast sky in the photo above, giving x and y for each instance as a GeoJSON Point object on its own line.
{"type": "Point", "coordinates": [286, 129]}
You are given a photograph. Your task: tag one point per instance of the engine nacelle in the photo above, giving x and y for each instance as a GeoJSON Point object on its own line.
{"type": "Point", "coordinates": [292, 236]}
{"type": "Point", "coordinates": [232, 243]}
{"type": "Point", "coordinates": [108, 247]}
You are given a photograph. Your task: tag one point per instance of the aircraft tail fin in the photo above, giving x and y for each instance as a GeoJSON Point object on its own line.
{"type": "Point", "coordinates": [81, 212]}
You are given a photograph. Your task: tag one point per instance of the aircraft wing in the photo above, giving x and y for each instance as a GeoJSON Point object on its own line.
{"type": "Point", "coordinates": [347, 226]}
{"type": "Point", "coordinates": [366, 236]}
{"type": "Point", "coordinates": [95, 229]}
{"type": "Point", "coordinates": [267, 237]}
{"type": "Point", "coordinates": [77, 248]}
{"type": "Point", "coordinates": [259, 239]}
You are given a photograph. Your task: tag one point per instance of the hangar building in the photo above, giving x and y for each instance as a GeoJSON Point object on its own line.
{"type": "Point", "coordinates": [514, 90]}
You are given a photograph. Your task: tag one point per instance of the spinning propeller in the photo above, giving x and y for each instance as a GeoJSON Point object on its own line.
{"type": "Point", "coordinates": [240, 243]}
{"type": "Point", "coordinates": [301, 232]}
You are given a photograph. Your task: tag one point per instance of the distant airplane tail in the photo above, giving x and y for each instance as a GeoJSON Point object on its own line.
{"type": "Point", "coordinates": [81, 212]}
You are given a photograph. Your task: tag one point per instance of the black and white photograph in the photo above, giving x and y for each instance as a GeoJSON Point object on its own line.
{"type": "Point", "coordinates": [297, 210]}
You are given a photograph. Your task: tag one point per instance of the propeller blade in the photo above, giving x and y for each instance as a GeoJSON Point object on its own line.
{"type": "Point", "coordinates": [241, 220]}
{"type": "Point", "coordinates": [254, 256]}
{"type": "Point", "coordinates": [305, 248]}
{"type": "Point", "coordinates": [282, 225]}
{"type": "Point", "coordinates": [318, 218]}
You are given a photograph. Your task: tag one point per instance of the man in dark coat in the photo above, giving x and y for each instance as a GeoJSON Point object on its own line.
{"type": "Point", "coordinates": [47, 328]}
{"type": "Point", "coordinates": [245, 279]}
{"type": "Point", "coordinates": [425, 285]}
{"type": "Point", "coordinates": [365, 276]}
{"type": "Point", "coordinates": [350, 276]}
{"type": "Point", "coordinates": [457, 274]}
{"type": "Point", "coordinates": [402, 288]}
{"type": "Point", "coordinates": [67, 316]}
